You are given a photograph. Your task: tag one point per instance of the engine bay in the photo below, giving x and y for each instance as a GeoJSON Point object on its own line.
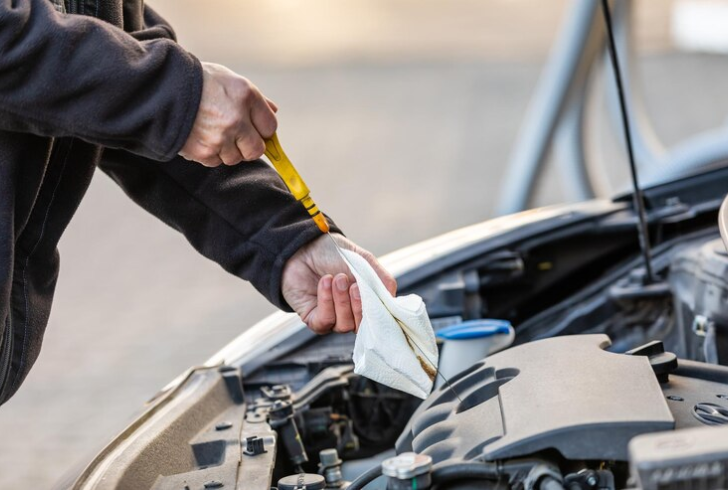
{"type": "Point", "coordinates": [563, 407]}
{"type": "Point", "coordinates": [608, 383]}
{"type": "Point", "coordinates": [560, 407]}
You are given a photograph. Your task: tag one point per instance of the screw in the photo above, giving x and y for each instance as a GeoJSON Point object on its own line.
{"type": "Point", "coordinates": [722, 396]}
{"type": "Point", "coordinates": [213, 484]}
{"type": "Point", "coordinates": [675, 398]}
{"type": "Point", "coordinates": [223, 425]}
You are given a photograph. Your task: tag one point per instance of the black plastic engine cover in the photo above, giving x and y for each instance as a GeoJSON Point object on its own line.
{"type": "Point", "coordinates": [565, 393]}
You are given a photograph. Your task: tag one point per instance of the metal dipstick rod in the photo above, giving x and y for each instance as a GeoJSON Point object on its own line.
{"type": "Point", "coordinates": [638, 197]}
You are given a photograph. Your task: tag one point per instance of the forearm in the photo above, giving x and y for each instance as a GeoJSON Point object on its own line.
{"type": "Point", "coordinates": [241, 217]}
{"type": "Point", "coordinates": [71, 75]}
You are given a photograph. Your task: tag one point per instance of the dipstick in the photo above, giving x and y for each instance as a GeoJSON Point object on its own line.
{"type": "Point", "coordinates": [293, 181]}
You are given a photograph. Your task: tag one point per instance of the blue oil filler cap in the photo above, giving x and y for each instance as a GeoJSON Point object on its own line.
{"type": "Point", "coordinates": [475, 329]}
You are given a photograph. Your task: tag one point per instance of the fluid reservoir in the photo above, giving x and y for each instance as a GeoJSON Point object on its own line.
{"type": "Point", "coordinates": [469, 342]}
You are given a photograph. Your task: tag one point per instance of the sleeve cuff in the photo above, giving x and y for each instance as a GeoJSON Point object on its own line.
{"type": "Point", "coordinates": [194, 96]}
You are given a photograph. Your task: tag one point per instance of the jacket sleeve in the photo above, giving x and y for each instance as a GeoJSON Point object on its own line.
{"type": "Point", "coordinates": [73, 75]}
{"type": "Point", "coordinates": [242, 217]}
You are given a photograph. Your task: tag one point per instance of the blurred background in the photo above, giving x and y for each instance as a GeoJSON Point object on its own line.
{"type": "Point", "coordinates": [411, 106]}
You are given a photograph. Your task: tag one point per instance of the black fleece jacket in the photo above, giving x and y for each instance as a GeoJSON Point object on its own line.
{"type": "Point", "coordinates": [87, 83]}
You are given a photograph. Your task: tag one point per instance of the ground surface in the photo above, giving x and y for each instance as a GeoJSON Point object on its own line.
{"type": "Point", "coordinates": [401, 116]}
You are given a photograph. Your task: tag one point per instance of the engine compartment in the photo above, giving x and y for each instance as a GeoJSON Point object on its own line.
{"type": "Point", "coordinates": [566, 401]}
{"type": "Point", "coordinates": [566, 404]}
{"type": "Point", "coordinates": [606, 376]}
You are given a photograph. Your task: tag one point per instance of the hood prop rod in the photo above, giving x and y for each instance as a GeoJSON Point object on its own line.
{"type": "Point", "coordinates": [638, 197]}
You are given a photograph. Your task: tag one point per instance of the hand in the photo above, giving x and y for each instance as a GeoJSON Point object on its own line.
{"type": "Point", "coordinates": [232, 120]}
{"type": "Point", "coordinates": [318, 285]}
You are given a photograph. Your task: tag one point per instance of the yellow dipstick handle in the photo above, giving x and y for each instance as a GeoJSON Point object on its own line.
{"type": "Point", "coordinates": [293, 181]}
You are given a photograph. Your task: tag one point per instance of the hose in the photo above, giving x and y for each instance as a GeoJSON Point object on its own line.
{"type": "Point", "coordinates": [365, 478]}
{"type": "Point", "coordinates": [466, 471]}
{"type": "Point", "coordinates": [489, 471]}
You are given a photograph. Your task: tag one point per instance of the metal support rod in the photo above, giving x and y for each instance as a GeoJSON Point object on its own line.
{"type": "Point", "coordinates": [646, 145]}
{"type": "Point", "coordinates": [638, 197]}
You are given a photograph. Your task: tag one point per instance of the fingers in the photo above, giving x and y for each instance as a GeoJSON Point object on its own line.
{"type": "Point", "coordinates": [250, 145]}
{"type": "Point", "coordinates": [273, 106]}
{"type": "Point", "coordinates": [263, 117]}
{"type": "Point", "coordinates": [338, 307]}
{"type": "Point", "coordinates": [356, 307]}
{"type": "Point", "coordinates": [325, 311]}
{"type": "Point", "coordinates": [326, 297]}
{"type": "Point", "coordinates": [262, 125]}
{"type": "Point", "coordinates": [230, 155]}
{"type": "Point", "coordinates": [342, 304]}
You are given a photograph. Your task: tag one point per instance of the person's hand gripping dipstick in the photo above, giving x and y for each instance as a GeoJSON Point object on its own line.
{"type": "Point", "coordinates": [232, 121]}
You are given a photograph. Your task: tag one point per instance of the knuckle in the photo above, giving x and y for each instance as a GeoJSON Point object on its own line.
{"type": "Point", "coordinates": [259, 147]}
{"type": "Point", "coordinates": [255, 150]}
{"type": "Point", "coordinates": [271, 126]}
{"type": "Point", "coordinates": [206, 153]}
{"type": "Point", "coordinates": [230, 161]}
{"type": "Point", "coordinates": [245, 93]}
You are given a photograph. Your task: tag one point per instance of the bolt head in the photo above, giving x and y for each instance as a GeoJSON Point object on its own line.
{"type": "Point", "coordinates": [329, 457]}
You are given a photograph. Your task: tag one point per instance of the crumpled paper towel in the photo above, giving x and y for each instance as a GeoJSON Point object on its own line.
{"type": "Point", "coordinates": [395, 344]}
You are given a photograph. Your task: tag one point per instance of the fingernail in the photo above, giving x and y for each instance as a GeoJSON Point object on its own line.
{"type": "Point", "coordinates": [355, 292]}
{"type": "Point", "coordinates": [342, 283]}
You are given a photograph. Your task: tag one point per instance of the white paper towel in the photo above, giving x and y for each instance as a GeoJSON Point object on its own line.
{"type": "Point", "coordinates": [395, 344]}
